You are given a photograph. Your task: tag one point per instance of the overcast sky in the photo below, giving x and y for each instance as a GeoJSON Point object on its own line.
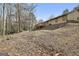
{"type": "Point", "coordinates": [45, 10]}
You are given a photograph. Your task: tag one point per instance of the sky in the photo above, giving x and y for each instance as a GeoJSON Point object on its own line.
{"type": "Point", "coordinates": [45, 10]}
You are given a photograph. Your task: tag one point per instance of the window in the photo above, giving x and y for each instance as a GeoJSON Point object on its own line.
{"type": "Point", "coordinates": [78, 10]}
{"type": "Point", "coordinates": [77, 18]}
{"type": "Point", "coordinates": [50, 24]}
{"type": "Point", "coordinates": [56, 20]}
{"type": "Point", "coordinates": [63, 19]}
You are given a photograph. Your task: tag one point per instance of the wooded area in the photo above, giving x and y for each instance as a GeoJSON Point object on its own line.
{"type": "Point", "coordinates": [16, 17]}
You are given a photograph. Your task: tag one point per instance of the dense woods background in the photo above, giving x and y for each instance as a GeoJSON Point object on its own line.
{"type": "Point", "coordinates": [16, 17]}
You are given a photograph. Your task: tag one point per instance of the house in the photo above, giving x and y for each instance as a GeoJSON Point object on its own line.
{"type": "Point", "coordinates": [66, 17]}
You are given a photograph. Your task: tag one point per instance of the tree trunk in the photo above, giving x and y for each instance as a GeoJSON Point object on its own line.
{"type": "Point", "coordinates": [3, 20]}
{"type": "Point", "coordinates": [18, 17]}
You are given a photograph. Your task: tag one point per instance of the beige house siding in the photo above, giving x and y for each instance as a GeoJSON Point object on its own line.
{"type": "Point", "coordinates": [73, 15]}
{"type": "Point", "coordinates": [61, 20]}
{"type": "Point", "coordinates": [58, 20]}
{"type": "Point", "coordinates": [52, 22]}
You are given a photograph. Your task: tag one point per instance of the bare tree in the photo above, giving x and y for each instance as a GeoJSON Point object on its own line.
{"type": "Point", "coordinates": [9, 17]}
{"type": "Point", "coordinates": [40, 21]}
{"type": "Point", "coordinates": [3, 19]}
{"type": "Point", "coordinates": [31, 15]}
{"type": "Point", "coordinates": [65, 11]}
{"type": "Point", "coordinates": [25, 14]}
{"type": "Point", "coordinates": [18, 16]}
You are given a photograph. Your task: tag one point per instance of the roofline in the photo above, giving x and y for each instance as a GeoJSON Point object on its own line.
{"type": "Point", "coordinates": [56, 17]}
{"type": "Point", "coordinates": [59, 16]}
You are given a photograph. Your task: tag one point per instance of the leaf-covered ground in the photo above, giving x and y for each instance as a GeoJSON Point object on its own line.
{"type": "Point", "coordinates": [62, 41]}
